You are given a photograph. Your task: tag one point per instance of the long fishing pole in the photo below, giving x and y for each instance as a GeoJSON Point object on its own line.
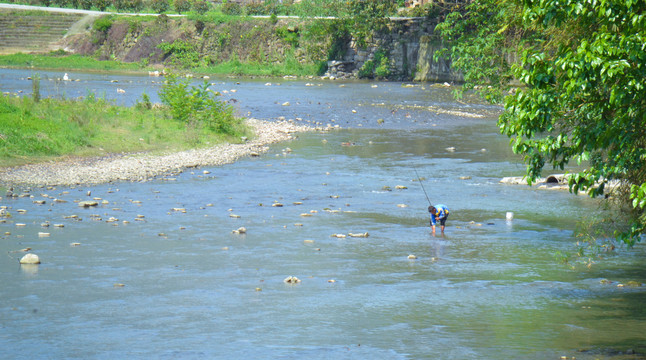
{"type": "Point", "coordinates": [420, 182]}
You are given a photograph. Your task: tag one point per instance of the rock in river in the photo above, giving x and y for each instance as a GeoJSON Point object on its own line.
{"type": "Point", "coordinates": [88, 203]}
{"type": "Point", "coordinates": [30, 259]}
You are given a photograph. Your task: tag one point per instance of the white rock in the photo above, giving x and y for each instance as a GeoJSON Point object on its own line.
{"type": "Point", "coordinates": [292, 280]}
{"type": "Point", "coordinates": [30, 259]}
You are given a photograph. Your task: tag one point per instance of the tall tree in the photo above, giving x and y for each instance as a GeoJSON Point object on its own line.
{"type": "Point", "coordinates": [585, 97]}
{"type": "Point", "coordinates": [582, 67]}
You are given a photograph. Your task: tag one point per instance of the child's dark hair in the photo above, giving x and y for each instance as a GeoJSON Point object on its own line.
{"type": "Point", "coordinates": [432, 209]}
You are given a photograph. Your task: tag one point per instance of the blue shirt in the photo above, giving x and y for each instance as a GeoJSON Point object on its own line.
{"type": "Point", "coordinates": [442, 211]}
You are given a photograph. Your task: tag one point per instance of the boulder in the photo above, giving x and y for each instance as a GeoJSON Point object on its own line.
{"type": "Point", "coordinates": [88, 203]}
{"type": "Point", "coordinates": [30, 259]}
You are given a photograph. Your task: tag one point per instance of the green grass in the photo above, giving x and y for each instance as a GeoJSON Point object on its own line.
{"type": "Point", "coordinates": [237, 67]}
{"type": "Point", "coordinates": [60, 61]}
{"type": "Point", "coordinates": [45, 130]}
{"type": "Point", "coordinates": [77, 62]}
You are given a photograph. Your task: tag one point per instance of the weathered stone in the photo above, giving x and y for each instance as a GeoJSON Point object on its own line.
{"type": "Point", "coordinates": [291, 280]}
{"type": "Point", "coordinates": [88, 203]}
{"type": "Point", "coordinates": [30, 259]}
{"type": "Point", "coordinates": [361, 235]}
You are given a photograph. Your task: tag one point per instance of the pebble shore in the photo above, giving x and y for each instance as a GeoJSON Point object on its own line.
{"type": "Point", "coordinates": [143, 166]}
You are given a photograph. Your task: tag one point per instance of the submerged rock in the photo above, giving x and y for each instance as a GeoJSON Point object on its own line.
{"type": "Point", "coordinates": [362, 235]}
{"type": "Point", "coordinates": [292, 280]}
{"type": "Point", "coordinates": [240, 230]}
{"type": "Point", "coordinates": [88, 203]}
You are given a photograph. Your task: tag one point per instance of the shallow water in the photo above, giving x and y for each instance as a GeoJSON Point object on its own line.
{"type": "Point", "coordinates": [488, 289]}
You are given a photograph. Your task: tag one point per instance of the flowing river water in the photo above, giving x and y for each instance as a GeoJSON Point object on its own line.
{"type": "Point", "coordinates": [174, 282]}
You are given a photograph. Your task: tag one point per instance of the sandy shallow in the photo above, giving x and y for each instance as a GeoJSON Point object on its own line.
{"type": "Point", "coordinates": [143, 166]}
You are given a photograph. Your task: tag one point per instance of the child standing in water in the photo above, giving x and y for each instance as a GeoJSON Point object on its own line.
{"type": "Point", "coordinates": [439, 213]}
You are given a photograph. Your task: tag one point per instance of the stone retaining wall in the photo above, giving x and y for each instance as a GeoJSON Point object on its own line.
{"type": "Point", "coordinates": [409, 44]}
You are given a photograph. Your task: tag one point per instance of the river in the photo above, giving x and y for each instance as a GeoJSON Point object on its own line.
{"type": "Point", "coordinates": [156, 271]}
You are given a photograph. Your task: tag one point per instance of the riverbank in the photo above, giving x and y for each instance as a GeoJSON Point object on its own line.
{"type": "Point", "coordinates": [145, 166]}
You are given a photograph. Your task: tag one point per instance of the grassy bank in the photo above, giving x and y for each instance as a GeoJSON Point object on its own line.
{"type": "Point", "coordinates": [61, 61]}
{"type": "Point", "coordinates": [56, 61]}
{"type": "Point", "coordinates": [35, 131]}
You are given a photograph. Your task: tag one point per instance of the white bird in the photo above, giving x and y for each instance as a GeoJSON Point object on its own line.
{"type": "Point", "coordinates": [65, 77]}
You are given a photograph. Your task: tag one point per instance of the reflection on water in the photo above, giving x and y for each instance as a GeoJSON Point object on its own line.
{"type": "Point", "coordinates": [488, 289]}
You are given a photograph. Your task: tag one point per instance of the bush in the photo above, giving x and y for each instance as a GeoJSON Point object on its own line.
{"type": "Point", "coordinates": [120, 5]}
{"type": "Point", "coordinates": [159, 6]}
{"type": "Point", "coordinates": [86, 4]}
{"type": "Point", "coordinates": [102, 24]}
{"type": "Point", "coordinates": [102, 4]}
{"type": "Point", "coordinates": [136, 5]}
{"type": "Point", "coordinates": [182, 53]}
{"type": "Point", "coordinates": [198, 106]}
{"type": "Point", "coordinates": [254, 9]}
{"type": "Point", "coordinates": [231, 8]}
{"type": "Point", "coordinates": [182, 6]}
{"type": "Point", "coordinates": [201, 6]}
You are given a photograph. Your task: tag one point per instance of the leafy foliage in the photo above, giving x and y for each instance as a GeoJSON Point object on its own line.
{"type": "Point", "coordinates": [159, 6]}
{"type": "Point", "coordinates": [182, 6]}
{"type": "Point", "coordinates": [585, 98]}
{"type": "Point", "coordinates": [182, 53]}
{"type": "Point", "coordinates": [484, 35]}
{"type": "Point", "coordinates": [198, 106]}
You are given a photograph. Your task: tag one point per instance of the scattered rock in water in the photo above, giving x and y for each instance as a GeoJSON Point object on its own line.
{"type": "Point", "coordinates": [401, 187]}
{"type": "Point", "coordinates": [20, 225]}
{"type": "Point", "coordinates": [450, 149]}
{"type": "Point", "coordinates": [234, 216]}
{"type": "Point", "coordinates": [292, 280]}
{"type": "Point", "coordinates": [386, 188]}
{"type": "Point", "coordinates": [88, 203]}
{"type": "Point", "coordinates": [240, 230]}
{"type": "Point", "coordinates": [182, 210]}
{"type": "Point", "coordinates": [277, 205]}
{"type": "Point", "coordinates": [465, 177]}
{"type": "Point", "coordinates": [75, 244]}
{"type": "Point", "coordinates": [412, 257]}
{"type": "Point", "coordinates": [298, 203]}
{"type": "Point", "coordinates": [298, 224]}
{"type": "Point", "coordinates": [331, 281]}
{"type": "Point", "coordinates": [402, 205]}
{"type": "Point", "coordinates": [59, 225]}
{"type": "Point", "coordinates": [45, 224]}
{"type": "Point", "coordinates": [286, 103]}
{"type": "Point", "coordinates": [306, 215]}
{"type": "Point", "coordinates": [119, 285]}
{"type": "Point", "coordinates": [43, 234]}
{"type": "Point", "coordinates": [39, 202]}
{"type": "Point", "coordinates": [340, 236]}
{"type": "Point", "coordinates": [30, 259]}
{"type": "Point", "coordinates": [359, 235]}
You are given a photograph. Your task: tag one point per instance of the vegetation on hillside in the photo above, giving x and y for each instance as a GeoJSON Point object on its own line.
{"type": "Point", "coordinates": [583, 95]}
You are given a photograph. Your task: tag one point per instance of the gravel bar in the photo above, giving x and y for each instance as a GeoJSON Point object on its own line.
{"type": "Point", "coordinates": [145, 166]}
